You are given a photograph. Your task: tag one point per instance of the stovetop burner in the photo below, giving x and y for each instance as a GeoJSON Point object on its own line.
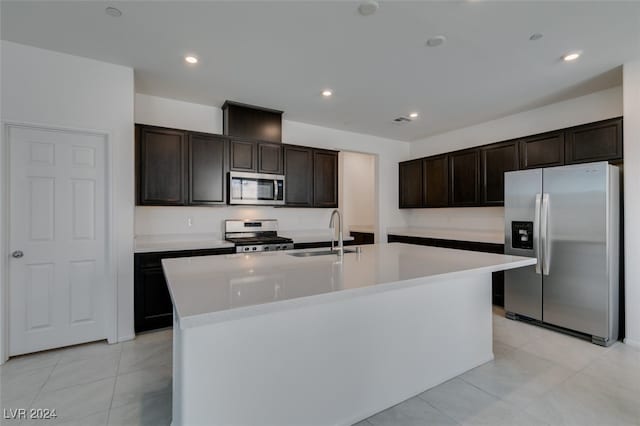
{"type": "Point", "coordinates": [243, 241]}
{"type": "Point", "coordinates": [255, 235]}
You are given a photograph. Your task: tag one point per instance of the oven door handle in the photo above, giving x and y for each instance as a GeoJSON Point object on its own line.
{"type": "Point", "coordinates": [275, 191]}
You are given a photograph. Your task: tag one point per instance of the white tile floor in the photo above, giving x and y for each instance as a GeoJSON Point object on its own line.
{"type": "Point", "coordinates": [538, 377]}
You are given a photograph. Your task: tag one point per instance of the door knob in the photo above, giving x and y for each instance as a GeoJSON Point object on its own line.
{"type": "Point", "coordinates": [17, 254]}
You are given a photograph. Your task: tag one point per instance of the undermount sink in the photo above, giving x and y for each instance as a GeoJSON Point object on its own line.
{"type": "Point", "coordinates": [318, 253]}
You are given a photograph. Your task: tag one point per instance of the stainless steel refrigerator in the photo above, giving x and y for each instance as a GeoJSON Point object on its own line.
{"type": "Point", "coordinates": [568, 218]}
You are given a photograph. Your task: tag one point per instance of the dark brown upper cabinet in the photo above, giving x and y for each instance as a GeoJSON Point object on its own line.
{"type": "Point", "coordinates": [270, 158]}
{"type": "Point", "coordinates": [495, 160]}
{"type": "Point", "coordinates": [252, 122]}
{"type": "Point", "coordinates": [298, 171]}
{"type": "Point", "coordinates": [253, 156]}
{"type": "Point", "coordinates": [464, 177]}
{"type": "Point", "coordinates": [546, 150]}
{"type": "Point", "coordinates": [208, 156]}
{"type": "Point", "coordinates": [161, 166]}
{"type": "Point", "coordinates": [436, 181]}
{"type": "Point", "coordinates": [325, 178]}
{"type": "Point", "coordinates": [600, 141]}
{"type": "Point", "coordinates": [244, 155]}
{"type": "Point", "coordinates": [476, 176]}
{"type": "Point", "coordinates": [411, 187]}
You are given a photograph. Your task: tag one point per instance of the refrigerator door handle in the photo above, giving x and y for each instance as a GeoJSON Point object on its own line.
{"type": "Point", "coordinates": [544, 225]}
{"type": "Point", "coordinates": [536, 234]}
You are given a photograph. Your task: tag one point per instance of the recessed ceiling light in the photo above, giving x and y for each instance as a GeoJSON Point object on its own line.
{"type": "Point", "coordinates": [112, 11]}
{"type": "Point", "coordinates": [191, 59]}
{"type": "Point", "coordinates": [368, 8]}
{"type": "Point", "coordinates": [436, 41]}
{"type": "Point", "coordinates": [326, 93]}
{"type": "Point", "coordinates": [413, 115]}
{"type": "Point", "coordinates": [571, 56]}
{"type": "Point", "coordinates": [535, 36]}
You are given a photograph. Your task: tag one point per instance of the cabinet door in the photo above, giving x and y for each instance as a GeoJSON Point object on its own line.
{"type": "Point", "coordinates": [496, 159]}
{"type": "Point", "coordinates": [410, 184]}
{"type": "Point", "coordinates": [298, 170]}
{"type": "Point", "coordinates": [436, 181]}
{"type": "Point", "coordinates": [601, 141]}
{"type": "Point", "coordinates": [244, 156]}
{"type": "Point", "coordinates": [207, 169]}
{"type": "Point", "coordinates": [161, 166]}
{"type": "Point", "coordinates": [153, 307]}
{"type": "Point", "coordinates": [325, 178]}
{"type": "Point", "coordinates": [270, 158]}
{"type": "Point", "coordinates": [464, 174]}
{"type": "Point", "coordinates": [545, 150]}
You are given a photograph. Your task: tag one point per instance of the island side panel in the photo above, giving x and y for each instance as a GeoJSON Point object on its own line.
{"type": "Point", "coordinates": [178, 371]}
{"type": "Point", "coordinates": [333, 363]}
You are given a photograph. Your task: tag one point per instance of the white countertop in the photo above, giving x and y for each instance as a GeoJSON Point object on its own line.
{"type": "Point", "coordinates": [177, 242]}
{"type": "Point", "coordinates": [212, 289]}
{"type": "Point", "coordinates": [493, 237]}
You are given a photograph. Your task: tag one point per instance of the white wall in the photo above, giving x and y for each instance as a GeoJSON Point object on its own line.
{"type": "Point", "coordinates": [585, 109]}
{"type": "Point", "coordinates": [50, 88]}
{"type": "Point", "coordinates": [358, 197]}
{"type": "Point", "coordinates": [631, 88]}
{"type": "Point", "coordinates": [173, 220]}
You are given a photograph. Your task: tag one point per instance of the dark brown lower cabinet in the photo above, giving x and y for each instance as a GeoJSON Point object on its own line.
{"type": "Point", "coordinates": [497, 278]}
{"type": "Point", "coordinates": [152, 303]}
{"type": "Point", "coordinates": [360, 238]}
{"type": "Point", "coordinates": [321, 244]}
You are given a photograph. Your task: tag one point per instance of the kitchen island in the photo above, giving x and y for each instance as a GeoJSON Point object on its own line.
{"type": "Point", "coordinates": [289, 338]}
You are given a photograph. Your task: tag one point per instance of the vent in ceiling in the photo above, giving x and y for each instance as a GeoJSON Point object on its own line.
{"type": "Point", "coordinates": [402, 120]}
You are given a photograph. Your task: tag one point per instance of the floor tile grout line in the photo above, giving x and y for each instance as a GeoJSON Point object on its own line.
{"type": "Point", "coordinates": [113, 391]}
{"type": "Point", "coordinates": [45, 382]}
{"type": "Point", "coordinates": [439, 410]}
{"type": "Point", "coordinates": [75, 384]}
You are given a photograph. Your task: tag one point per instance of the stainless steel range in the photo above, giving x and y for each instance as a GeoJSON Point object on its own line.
{"type": "Point", "coordinates": [255, 235]}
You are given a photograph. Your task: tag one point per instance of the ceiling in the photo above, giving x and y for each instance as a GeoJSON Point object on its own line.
{"type": "Point", "coordinates": [283, 54]}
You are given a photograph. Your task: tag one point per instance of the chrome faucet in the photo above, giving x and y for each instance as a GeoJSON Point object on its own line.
{"type": "Point", "coordinates": [340, 248]}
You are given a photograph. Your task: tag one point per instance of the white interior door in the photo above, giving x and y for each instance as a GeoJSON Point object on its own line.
{"type": "Point", "coordinates": [57, 239]}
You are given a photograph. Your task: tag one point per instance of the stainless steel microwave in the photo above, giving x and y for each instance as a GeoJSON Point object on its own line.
{"type": "Point", "coordinates": [256, 188]}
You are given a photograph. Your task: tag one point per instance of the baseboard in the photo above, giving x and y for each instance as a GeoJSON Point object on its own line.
{"type": "Point", "coordinates": [633, 343]}
{"type": "Point", "coordinates": [126, 338]}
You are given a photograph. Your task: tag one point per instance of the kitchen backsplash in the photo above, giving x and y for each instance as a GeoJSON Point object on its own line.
{"type": "Point", "coordinates": [187, 220]}
{"type": "Point", "coordinates": [471, 218]}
